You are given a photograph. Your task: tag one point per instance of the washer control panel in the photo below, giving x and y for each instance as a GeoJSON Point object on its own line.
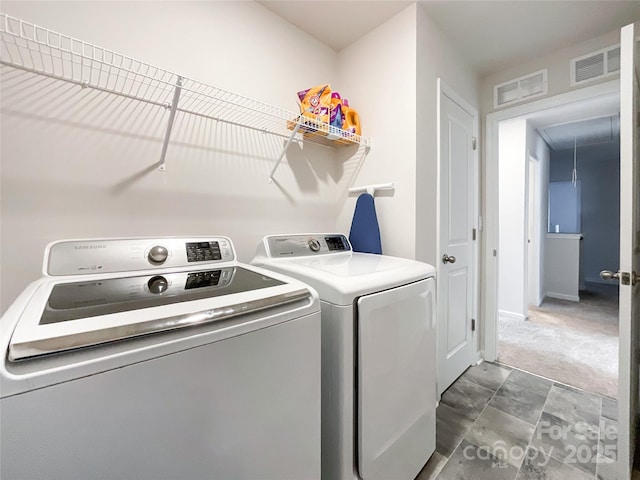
{"type": "Point", "coordinates": [306, 244]}
{"type": "Point", "coordinates": [95, 256]}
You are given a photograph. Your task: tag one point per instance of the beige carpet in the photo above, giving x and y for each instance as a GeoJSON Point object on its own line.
{"type": "Point", "coordinates": [575, 343]}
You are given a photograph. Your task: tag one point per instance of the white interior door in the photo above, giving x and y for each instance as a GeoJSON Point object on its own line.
{"type": "Point", "coordinates": [457, 238]}
{"type": "Point", "coordinates": [629, 247]}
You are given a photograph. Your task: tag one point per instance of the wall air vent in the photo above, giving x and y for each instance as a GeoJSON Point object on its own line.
{"type": "Point", "coordinates": [520, 89]}
{"type": "Point", "coordinates": [594, 65]}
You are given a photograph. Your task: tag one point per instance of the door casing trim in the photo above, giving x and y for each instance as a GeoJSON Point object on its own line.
{"type": "Point", "coordinates": [489, 290]}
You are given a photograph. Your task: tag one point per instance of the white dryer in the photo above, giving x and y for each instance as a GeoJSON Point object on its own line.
{"type": "Point", "coordinates": [378, 354]}
{"type": "Point", "coordinates": [159, 358]}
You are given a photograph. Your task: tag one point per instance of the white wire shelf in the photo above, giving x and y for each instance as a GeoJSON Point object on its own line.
{"type": "Point", "coordinates": [35, 49]}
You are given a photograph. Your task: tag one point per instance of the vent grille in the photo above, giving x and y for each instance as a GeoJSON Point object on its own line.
{"type": "Point", "coordinates": [520, 89]}
{"type": "Point", "coordinates": [594, 65]}
{"type": "Point", "coordinates": [590, 67]}
{"type": "Point", "coordinates": [613, 60]}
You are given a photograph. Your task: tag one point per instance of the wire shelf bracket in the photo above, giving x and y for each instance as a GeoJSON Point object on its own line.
{"type": "Point", "coordinates": [35, 49]}
{"type": "Point", "coordinates": [172, 116]}
{"type": "Point", "coordinates": [284, 151]}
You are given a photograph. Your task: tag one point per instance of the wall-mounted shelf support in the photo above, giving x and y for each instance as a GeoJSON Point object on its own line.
{"type": "Point", "coordinates": [372, 189]}
{"type": "Point", "coordinates": [41, 51]}
{"type": "Point", "coordinates": [284, 150]}
{"type": "Point", "coordinates": [172, 116]}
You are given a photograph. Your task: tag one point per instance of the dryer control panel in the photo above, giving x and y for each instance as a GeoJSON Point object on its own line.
{"type": "Point", "coordinates": [302, 245]}
{"type": "Point", "coordinates": [112, 255]}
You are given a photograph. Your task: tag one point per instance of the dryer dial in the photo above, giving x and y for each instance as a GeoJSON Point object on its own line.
{"type": "Point", "coordinates": [158, 255]}
{"type": "Point", "coordinates": [314, 245]}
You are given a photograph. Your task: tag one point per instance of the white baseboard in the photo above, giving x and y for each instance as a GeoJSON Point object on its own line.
{"type": "Point", "coordinates": [504, 315]}
{"type": "Point", "coordinates": [538, 302]}
{"type": "Point", "coordinates": [563, 296]}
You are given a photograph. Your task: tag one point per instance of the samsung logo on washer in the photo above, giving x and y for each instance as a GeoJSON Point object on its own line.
{"type": "Point", "coordinates": [89, 247]}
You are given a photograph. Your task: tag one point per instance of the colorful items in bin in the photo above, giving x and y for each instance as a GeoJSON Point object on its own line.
{"type": "Point", "coordinates": [350, 123]}
{"type": "Point", "coordinates": [315, 104]}
{"type": "Point", "coordinates": [336, 117]}
{"type": "Point", "coordinates": [325, 113]}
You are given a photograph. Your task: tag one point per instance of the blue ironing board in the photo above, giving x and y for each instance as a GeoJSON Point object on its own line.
{"type": "Point", "coordinates": [365, 232]}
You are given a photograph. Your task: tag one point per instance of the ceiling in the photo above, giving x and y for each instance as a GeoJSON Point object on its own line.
{"type": "Point", "coordinates": [594, 121]}
{"type": "Point", "coordinates": [336, 23]}
{"type": "Point", "coordinates": [594, 131]}
{"type": "Point", "coordinates": [491, 35]}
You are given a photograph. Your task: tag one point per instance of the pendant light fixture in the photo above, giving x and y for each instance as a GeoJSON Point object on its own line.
{"type": "Point", "coordinates": [574, 174]}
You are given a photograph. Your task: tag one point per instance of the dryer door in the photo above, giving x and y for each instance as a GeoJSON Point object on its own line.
{"type": "Point", "coordinates": [396, 381]}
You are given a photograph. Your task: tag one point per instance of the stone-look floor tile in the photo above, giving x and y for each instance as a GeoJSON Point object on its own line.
{"type": "Point", "coordinates": [469, 462]}
{"type": "Point", "coordinates": [515, 399]}
{"type": "Point", "coordinates": [451, 427]}
{"type": "Point", "coordinates": [433, 467]}
{"type": "Point", "coordinates": [538, 466]}
{"type": "Point", "coordinates": [575, 444]}
{"type": "Point", "coordinates": [608, 438]}
{"type": "Point", "coordinates": [489, 375]}
{"type": "Point", "coordinates": [573, 406]}
{"type": "Point", "coordinates": [607, 469]}
{"type": "Point", "coordinates": [467, 397]}
{"type": "Point", "coordinates": [506, 437]}
{"type": "Point", "coordinates": [610, 408]}
{"type": "Point", "coordinates": [533, 383]}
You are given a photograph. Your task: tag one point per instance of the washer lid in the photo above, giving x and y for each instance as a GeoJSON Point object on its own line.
{"type": "Point", "coordinates": [81, 312]}
{"type": "Point", "coordinates": [340, 278]}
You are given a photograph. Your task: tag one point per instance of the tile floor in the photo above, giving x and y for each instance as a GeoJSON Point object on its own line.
{"type": "Point", "coordinates": [498, 423]}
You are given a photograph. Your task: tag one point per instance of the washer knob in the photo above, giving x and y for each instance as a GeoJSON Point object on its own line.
{"type": "Point", "coordinates": [158, 255]}
{"type": "Point", "coordinates": [158, 284]}
{"type": "Point", "coordinates": [314, 245]}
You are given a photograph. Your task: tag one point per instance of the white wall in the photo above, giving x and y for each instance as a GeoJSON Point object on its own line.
{"type": "Point", "coordinates": [77, 163]}
{"type": "Point", "coordinates": [512, 163]}
{"type": "Point", "coordinates": [393, 71]}
{"type": "Point", "coordinates": [379, 73]}
{"type": "Point", "coordinates": [518, 141]}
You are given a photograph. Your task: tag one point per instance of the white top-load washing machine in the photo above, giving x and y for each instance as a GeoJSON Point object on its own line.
{"type": "Point", "coordinates": [159, 358]}
{"type": "Point", "coordinates": [378, 353]}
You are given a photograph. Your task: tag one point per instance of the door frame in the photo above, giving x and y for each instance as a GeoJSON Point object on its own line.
{"type": "Point", "coordinates": [444, 89]}
{"type": "Point", "coordinates": [532, 214]}
{"type": "Point", "coordinates": [629, 256]}
{"type": "Point", "coordinates": [489, 294]}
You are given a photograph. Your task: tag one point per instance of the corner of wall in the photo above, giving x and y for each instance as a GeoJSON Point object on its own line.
{"type": "Point", "coordinates": [383, 93]}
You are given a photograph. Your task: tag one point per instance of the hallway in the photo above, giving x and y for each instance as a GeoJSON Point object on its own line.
{"type": "Point", "coordinates": [575, 343]}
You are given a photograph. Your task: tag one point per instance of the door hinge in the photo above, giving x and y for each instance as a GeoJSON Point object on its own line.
{"type": "Point", "coordinates": [474, 143]}
{"type": "Point", "coordinates": [473, 324]}
{"type": "Point", "coordinates": [474, 233]}
{"type": "Point", "coordinates": [627, 278]}
{"type": "Point", "coordinates": [495, 253]}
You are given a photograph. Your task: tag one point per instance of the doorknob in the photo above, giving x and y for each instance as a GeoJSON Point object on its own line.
{"type": "Point", "coordinates": [609, 275]}
{"type": "Point", "coordinates": [448, 259]}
